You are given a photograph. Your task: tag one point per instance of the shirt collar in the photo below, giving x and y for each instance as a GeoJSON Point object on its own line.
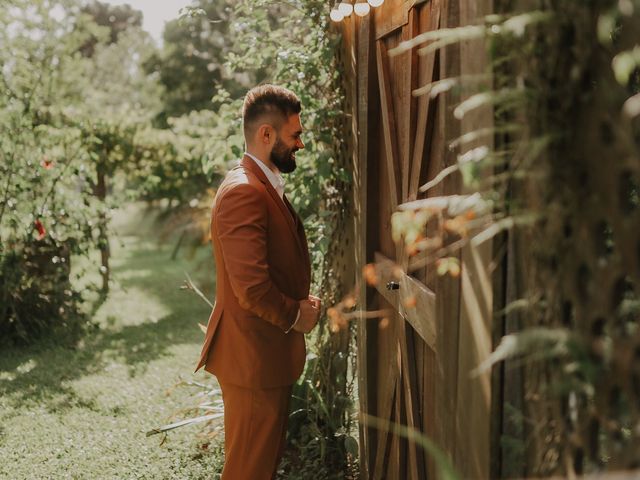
{"type": "Point", "coordinates": [274, 178]}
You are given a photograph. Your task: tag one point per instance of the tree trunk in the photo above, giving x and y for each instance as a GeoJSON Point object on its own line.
{"type": "Point", "coordinates": [103, 240]}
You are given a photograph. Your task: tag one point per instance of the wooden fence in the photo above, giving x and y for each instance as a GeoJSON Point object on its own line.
{"type": "Point", "coordinates": [414, 366]}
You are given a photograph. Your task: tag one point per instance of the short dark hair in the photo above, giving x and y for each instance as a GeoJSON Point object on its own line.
{"type": "Point", "coordinates": [267, 100]}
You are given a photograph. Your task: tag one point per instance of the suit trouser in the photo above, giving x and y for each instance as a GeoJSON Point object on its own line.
{"type": "Point", "coordinates": [255, 428]}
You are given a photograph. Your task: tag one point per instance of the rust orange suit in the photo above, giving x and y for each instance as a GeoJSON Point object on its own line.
{"type": "Point", "coordinates": [263, 270]}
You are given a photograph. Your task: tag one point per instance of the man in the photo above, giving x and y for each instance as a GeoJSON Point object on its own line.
{"type": "Point", "coordinates": [255, 337]}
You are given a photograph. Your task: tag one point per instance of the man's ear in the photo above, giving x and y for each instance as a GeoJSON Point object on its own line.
{"type": "Point", "coordinates": [266, 134]}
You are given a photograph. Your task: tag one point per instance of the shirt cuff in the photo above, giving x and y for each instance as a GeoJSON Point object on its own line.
{"type": "Point", "coordinates": [294, 323]}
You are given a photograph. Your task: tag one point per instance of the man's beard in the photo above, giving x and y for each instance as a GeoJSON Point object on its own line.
{"type": "Point", "coordinates": [282, 157]}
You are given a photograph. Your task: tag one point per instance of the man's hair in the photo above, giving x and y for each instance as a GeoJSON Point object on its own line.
{"type": "Point", "coordinates": [268, 103]}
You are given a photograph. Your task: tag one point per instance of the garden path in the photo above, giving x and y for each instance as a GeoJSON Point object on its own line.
{"type": "Point", "coordinates": [83, 412]}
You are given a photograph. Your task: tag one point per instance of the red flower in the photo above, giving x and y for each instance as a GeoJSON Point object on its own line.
{"type": "Point", "coordinates": [42, 232]}
{"type": "Point", "coordinates": [46, 163]}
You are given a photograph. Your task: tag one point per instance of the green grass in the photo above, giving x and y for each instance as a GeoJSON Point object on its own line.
{"type": "Point", "coordinates": [82, 411]}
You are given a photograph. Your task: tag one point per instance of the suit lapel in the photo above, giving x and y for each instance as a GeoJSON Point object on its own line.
{"type": "Point", "coordinates": [293, 213]}
{"type": "Point", "coordinates": [248, 163]}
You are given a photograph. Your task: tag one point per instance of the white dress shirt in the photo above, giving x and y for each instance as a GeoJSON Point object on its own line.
{"type": "Point", "coordinates": [277, 182]}
{"type": "Point", "coordinates": [274, 178]}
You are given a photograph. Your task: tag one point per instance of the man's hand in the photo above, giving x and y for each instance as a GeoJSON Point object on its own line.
{"type": "Point", "coordinates": [316, 301]}
{"type": "Point", "coordinates": [309, 314]}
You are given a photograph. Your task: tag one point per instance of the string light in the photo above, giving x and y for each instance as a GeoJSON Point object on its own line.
{"type": "Point", "coordinates": [345, 8]}
{"type": "Point", "coordinates": [336, 15]}
{"type": "Point", "coordinates": [361, 8]}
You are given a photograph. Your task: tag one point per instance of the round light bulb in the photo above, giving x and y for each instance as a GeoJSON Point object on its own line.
{"type": "Point", "coordinates": [336, 15]}
{"type": "Point", "coordinates": [361, 9]}
{"type": "Point", "coordinates": [375, 3]}
{"type": "Point", "coordinates": [345, 8]}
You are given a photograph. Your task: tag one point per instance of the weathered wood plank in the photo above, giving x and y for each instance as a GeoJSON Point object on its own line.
{"type": "Point", "coordinates": [415, 467]}
{"type": "Point", "coordinates": [363, 65]}
{"type": "Point", "coordinates": [473, 408]}
{"type": "Point", "coordinates": [427, 65]}
{"type": "Point", "coordinates": [422, 317]}
{"type": "Point", "coordinates": [421, 350]}
{"type": "Point", "coordinates": [397, 461]}
{"type": "Point", "coordinates": [393, 15]}
{"type": "Point", "coordinates": [388, 122]}
{"type": "Point", "coordinates": [388, 373]}
{"type": "Point", "coordinates": [380, 208]}
{"type": "Point", "coordinates": [428, 403]}
{"type": "Point", "coordinates": [390, 17]}
{"type": "Point", "coordinates": [475, 343]}
{"type": "Point", "coordinates": [432, 163]}
{"type": "Point", "coordinates": [448, 298]}
{"type": "Point", "coordinates": [410, 382]}
{"type": "Point", "coordinates": [385, 413]}
{"type": "Point", "coordinates": [406, 72]}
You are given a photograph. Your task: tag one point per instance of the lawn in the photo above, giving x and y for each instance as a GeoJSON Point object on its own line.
{"type": "Point", "coordinates": [82, 411]}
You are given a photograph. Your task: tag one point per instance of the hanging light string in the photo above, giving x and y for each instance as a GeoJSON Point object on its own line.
{"type": "Point", "coordinates": [361, 8]}
{"type": "Point", "coordinates": [343, 8]}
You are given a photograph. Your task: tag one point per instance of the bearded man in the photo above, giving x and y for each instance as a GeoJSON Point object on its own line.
{"type": "Point", "coordinates": [255, 343]}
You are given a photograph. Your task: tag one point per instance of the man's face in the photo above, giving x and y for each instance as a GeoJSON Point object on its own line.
{"type": "Point", "coordinates": [288, 142]}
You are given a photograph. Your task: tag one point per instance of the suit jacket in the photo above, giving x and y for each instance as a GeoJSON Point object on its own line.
{"type": "Point", "coordinates": [263, 270]}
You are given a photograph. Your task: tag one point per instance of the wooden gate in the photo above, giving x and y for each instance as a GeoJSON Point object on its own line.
{"type": "Point", "coordinates": [414, 364]}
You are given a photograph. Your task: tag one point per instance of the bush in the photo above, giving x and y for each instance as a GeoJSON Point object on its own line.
{"type": "Point", "coordinates": [37, 297]}
{"type": "Point", "coordinates": [66, 122]}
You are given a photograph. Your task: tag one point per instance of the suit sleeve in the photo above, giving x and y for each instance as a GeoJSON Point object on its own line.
{"type": "Point", "coordinates": [241, 224]}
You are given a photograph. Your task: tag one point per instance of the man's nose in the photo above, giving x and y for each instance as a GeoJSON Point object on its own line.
{"type": "Point", "coordinates": [300, 144]}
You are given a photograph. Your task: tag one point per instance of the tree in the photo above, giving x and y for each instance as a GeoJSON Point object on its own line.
{"type": "Point", "coordinates": [117, 18]}
{"type": "Point", "coordinates": [45, 207]}
{"type": "Point", "coordinates": [191, 64]}
{"type": "Point", "coordinates": [67, 121]}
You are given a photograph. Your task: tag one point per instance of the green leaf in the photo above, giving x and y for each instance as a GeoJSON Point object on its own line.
{"type": "Point", "coordinates": [625, 63]}
{"type": "Point", "coordinates": [351, 446]}
{"type": "Point", "coordinates": [182, 423]}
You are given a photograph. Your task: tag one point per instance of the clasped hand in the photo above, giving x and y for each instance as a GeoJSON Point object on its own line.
{"type": "Point", "coordinates": [309, 314]}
